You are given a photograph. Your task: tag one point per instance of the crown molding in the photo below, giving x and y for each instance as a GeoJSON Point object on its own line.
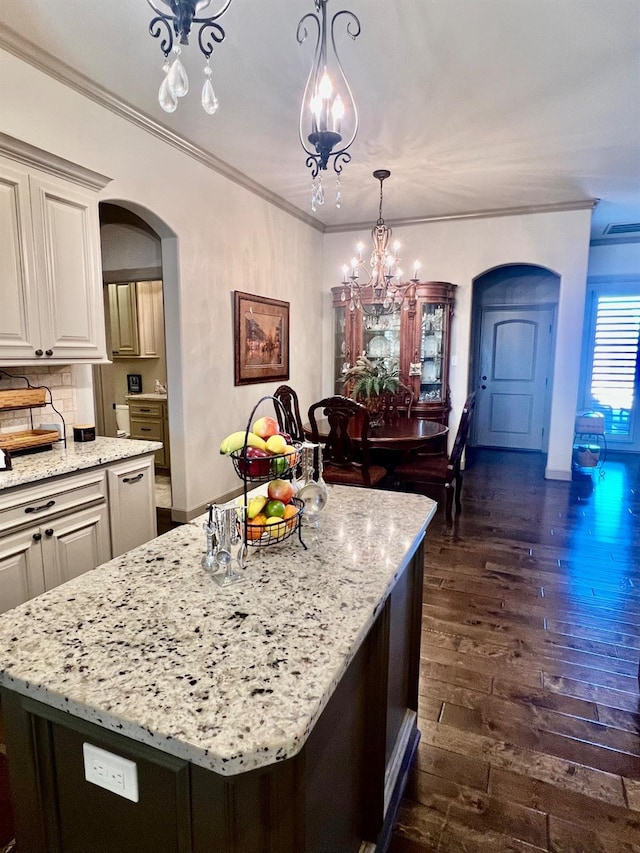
{"type": "Point", "coordinates": [23, 49]}
{"type": "Point", "coordinates": [29, 155]}
{"type": "Point", "coordinates": [585, 204]}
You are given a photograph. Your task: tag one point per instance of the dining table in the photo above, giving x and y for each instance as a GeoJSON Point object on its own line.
{"type": "Point", "coordinates": [401, 434]}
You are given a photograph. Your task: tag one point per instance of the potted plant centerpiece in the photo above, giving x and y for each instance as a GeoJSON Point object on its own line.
{"type": "Point", "coordinates": [368, 383]}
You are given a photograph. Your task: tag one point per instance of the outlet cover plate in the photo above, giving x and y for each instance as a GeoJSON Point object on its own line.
{"type": "Point", "coordinates": [116, 774]}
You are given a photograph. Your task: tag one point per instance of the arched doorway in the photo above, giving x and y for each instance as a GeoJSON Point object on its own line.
{"type": "Point", "coordinates": [514, 310]}
{"type": "Point", "coordinates": [140, 248]}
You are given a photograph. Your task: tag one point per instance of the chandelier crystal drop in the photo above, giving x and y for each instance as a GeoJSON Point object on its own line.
{"type": "Point", "coordinates": [381, 278]}
{"type": "Point", "coordinates": [174, 24]}
{"type": "Point", "coordinates": [328, 115]}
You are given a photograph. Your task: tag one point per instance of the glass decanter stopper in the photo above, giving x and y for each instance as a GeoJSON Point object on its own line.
{"type": "Point", "coordinates": [312, 492]}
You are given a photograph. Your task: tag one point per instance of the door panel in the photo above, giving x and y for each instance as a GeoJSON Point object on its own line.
{"type": "Point", "coordinates": [515, 361]}
{"type": "Point", "coordinates": [74, 544]}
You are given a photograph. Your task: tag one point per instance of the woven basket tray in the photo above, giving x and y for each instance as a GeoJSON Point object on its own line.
{"type": "Point", "coordinates": [23, 398]}
{"type": "Point", "coordinates": [28, 438]}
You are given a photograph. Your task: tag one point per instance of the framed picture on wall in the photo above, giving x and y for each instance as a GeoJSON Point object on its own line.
{"type": "Point", "coordinates": [261, 338]}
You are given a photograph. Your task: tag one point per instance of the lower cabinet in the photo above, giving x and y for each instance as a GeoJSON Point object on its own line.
{"type": "Point", "coordinates": [132, 504]}
{"type": "Point", "coordinates": [59, 529]}
{"type": "Point", "coordinates": [148, 422]}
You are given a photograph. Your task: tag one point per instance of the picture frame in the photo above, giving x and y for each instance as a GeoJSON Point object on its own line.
{"type": "Point", "coordinates": [134, 383]}
{"type": "Point", "coordinates": [261, 339]}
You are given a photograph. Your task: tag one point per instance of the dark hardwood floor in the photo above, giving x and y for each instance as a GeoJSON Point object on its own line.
{"type": "Point", "coordinates": [529, 706]}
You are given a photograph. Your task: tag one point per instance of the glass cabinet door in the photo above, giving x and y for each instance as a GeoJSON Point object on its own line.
{"type": "Point", "coordinates": [431, 352]}
{"type": "Point", "coordinates": [381, 336]}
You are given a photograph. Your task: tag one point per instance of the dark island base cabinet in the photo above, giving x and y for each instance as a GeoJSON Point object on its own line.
{"type": "Point", "coordinates": [340, 794]}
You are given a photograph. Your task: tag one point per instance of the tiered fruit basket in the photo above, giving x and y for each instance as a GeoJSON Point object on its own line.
{"type": "Point", "coordinates": [256, 468]}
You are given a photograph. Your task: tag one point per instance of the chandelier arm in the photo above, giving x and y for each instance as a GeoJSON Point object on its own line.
{"type": "Point", "coordinates": [155, 29]}
{"type": "Point", "coordinates": [215, 34]}
{"type": "Point", "coordinates": [341, 159]}
{"type": "Point", "coordinates": [313, 163]}
{"type": "Point", "coordinates": [353, 34]}
{"type": "Point", "coordinates": [301, 35]}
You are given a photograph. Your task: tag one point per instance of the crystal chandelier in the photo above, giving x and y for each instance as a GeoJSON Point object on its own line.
{"type": "Point", "coordinates": [383, 276]}
{"type": "Point", "coordinates": [174, 24]}
{"type": "Point", "coordinates": [328, 115]}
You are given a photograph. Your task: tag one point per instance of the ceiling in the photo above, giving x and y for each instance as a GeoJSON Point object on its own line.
{"type": "Point", "coordinates": [474, 105]}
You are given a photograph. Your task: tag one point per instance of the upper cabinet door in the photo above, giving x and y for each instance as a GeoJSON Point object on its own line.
{"type": "Point", "coordinates": [67, 255]}
{"type": "Point", "coordinates": [19, 315]}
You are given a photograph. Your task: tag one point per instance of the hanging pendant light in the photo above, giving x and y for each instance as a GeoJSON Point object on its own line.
{"type": "Point", "coordinates": [328, 115]}
{"type": "Point", "coordinates": [380, 281]}
{"type": "Point", "coordinates": [174, 25]}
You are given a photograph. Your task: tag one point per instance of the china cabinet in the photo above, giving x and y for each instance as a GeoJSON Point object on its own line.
{"type": "Point", "coordinates": [51, 287]}
{"type": "Point", "coordinates": [418, 337]}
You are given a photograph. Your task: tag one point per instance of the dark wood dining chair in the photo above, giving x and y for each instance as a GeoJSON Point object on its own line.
{"type": "Point", "coordinates": [398, 405]}
{"type": "Point", "coordinates": [346, 461]}
{"type": "Point", "coordinates": [442, 470]}
{"type": "Point", "coordinates": [289, 420]}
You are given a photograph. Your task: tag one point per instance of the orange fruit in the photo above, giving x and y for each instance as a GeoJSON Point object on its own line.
{"type": "Point", "coordinates": [290, 514]}
{"type": "Point", "coordinates": [257, 526]}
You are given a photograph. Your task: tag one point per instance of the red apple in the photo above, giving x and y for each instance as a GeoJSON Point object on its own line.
{"type": "Point", "coordinates": [280, 490]}
{"type": "Point", "coordinates": [254, 462]}
{"type": "Point", "coordinates": [266, 427]}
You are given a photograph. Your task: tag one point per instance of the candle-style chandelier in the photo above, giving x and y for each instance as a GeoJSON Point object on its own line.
{"type": "Point", "coordinates": [383, 285]}
{"type": "Point", "coordinates": [175, 26]}
{"type": "Point", "coordinates": [328, 115]}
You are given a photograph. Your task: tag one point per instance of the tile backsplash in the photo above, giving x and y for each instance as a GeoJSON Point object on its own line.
{"type": "Point", "coordinates": [60, 382]}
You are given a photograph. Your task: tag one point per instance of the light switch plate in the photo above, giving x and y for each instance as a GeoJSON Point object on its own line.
{"type": "Point", "coordinates": [415, 369]}
{"type": "Point", "coordinates": [110, 771]}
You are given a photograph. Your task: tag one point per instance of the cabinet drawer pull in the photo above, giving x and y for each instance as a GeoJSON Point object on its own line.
{"type": "Point", "coordinates": [48, 505]}
{"type": "Point", "coordinates": [133, 479]}
{"type": "Point", "coordinates": [145, 429]}
{"type": "Point", "coordinates": [145, 410]}
{"type": "Point", "coordinates": [49, 531]}
{"type": "Point", "coordinates": [37, 537]}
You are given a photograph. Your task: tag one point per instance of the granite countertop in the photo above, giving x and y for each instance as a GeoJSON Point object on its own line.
{"type": "Point", "coordinates": [232, 678]}
{"type": "Point", "coordinates": [32, 467]}
{"type": "Point", "coordinates": [130, 398]}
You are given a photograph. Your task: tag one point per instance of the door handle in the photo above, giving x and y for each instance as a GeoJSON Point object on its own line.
{"type": "Point", "coordinates": [49, 531]}
{"type": "Point", "coordinates": [133, 479]}
{"type": "Point", "coordinates": [37, 537]}
{"type": "Point", "coordinates": [483, 387]}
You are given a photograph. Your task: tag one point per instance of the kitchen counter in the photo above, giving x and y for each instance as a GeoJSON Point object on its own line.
{"type": "Point", "coordinates": [130, 398]}
{"type": "Point", "coordinates": [33, 467]}
{"type": "Point", "coordinates": [231, 679]}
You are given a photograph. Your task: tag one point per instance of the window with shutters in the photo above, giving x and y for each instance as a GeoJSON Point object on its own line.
{"type": "Point", "coordinates": [613, 383]}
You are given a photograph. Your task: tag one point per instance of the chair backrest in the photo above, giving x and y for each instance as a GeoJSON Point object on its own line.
{"type": "Point", "coordinates": [398, 405]}
{"type": "Point", "coordinates": [339, 448]}
{"type": "Point", "coordinates": [462, 435]}
{"type": "Point", "coordinates": [289, 421]}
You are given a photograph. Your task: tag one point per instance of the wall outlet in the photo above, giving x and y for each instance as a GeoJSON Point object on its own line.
{"type": "Point", "coordinates": [110, 771]}
{"type": "Point", "coordinates": [415, 369]}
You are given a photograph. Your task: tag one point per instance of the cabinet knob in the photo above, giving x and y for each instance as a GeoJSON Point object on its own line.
{"type": "Point", "coordinates": [49, 531]}
{"type": "Point", "coordinates": [39, 352]}
{"type": "Point", "coordinates": [37, 537]}
{"type": "Point", "coordinates": [49, 352]}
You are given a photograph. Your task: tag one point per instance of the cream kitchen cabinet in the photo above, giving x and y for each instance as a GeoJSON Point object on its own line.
{"type": "Point", "coordinates": [60, 528]}
{"type": "Point", "coordinates": [50, 265]}
{"type": "Point", "coordinates": [136, 319]}
{"type": "Point", "coordinates": [132, 504]}
{"type": "Point", "coordinates": [51, 533]}
{"type": "Point", "coordinates": [148, 421]}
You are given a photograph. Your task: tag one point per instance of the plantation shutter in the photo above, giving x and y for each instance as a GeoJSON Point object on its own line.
{"type": "Point", "coordinates": [615, 351]}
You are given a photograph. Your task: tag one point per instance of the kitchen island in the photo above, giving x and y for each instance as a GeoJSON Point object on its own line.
{"type": "Point", "coordinates": [278, 714]}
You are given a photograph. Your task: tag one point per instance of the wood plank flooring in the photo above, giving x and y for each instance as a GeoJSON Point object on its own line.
{"type": "Point", "coordinates": [529, 705]}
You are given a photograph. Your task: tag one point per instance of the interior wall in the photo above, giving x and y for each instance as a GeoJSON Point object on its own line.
{"type": "Point", "coordinates": [460, 250]}
{"type": "Point", "coordinates": [224, 239]}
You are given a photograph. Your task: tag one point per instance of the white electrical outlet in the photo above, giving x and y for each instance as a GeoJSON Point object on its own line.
{"type": "Point", "coordinates": [110, 771]}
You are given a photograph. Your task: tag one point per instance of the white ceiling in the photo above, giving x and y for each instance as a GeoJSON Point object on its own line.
{"type": "Point", "coordinates": [474, 105]}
